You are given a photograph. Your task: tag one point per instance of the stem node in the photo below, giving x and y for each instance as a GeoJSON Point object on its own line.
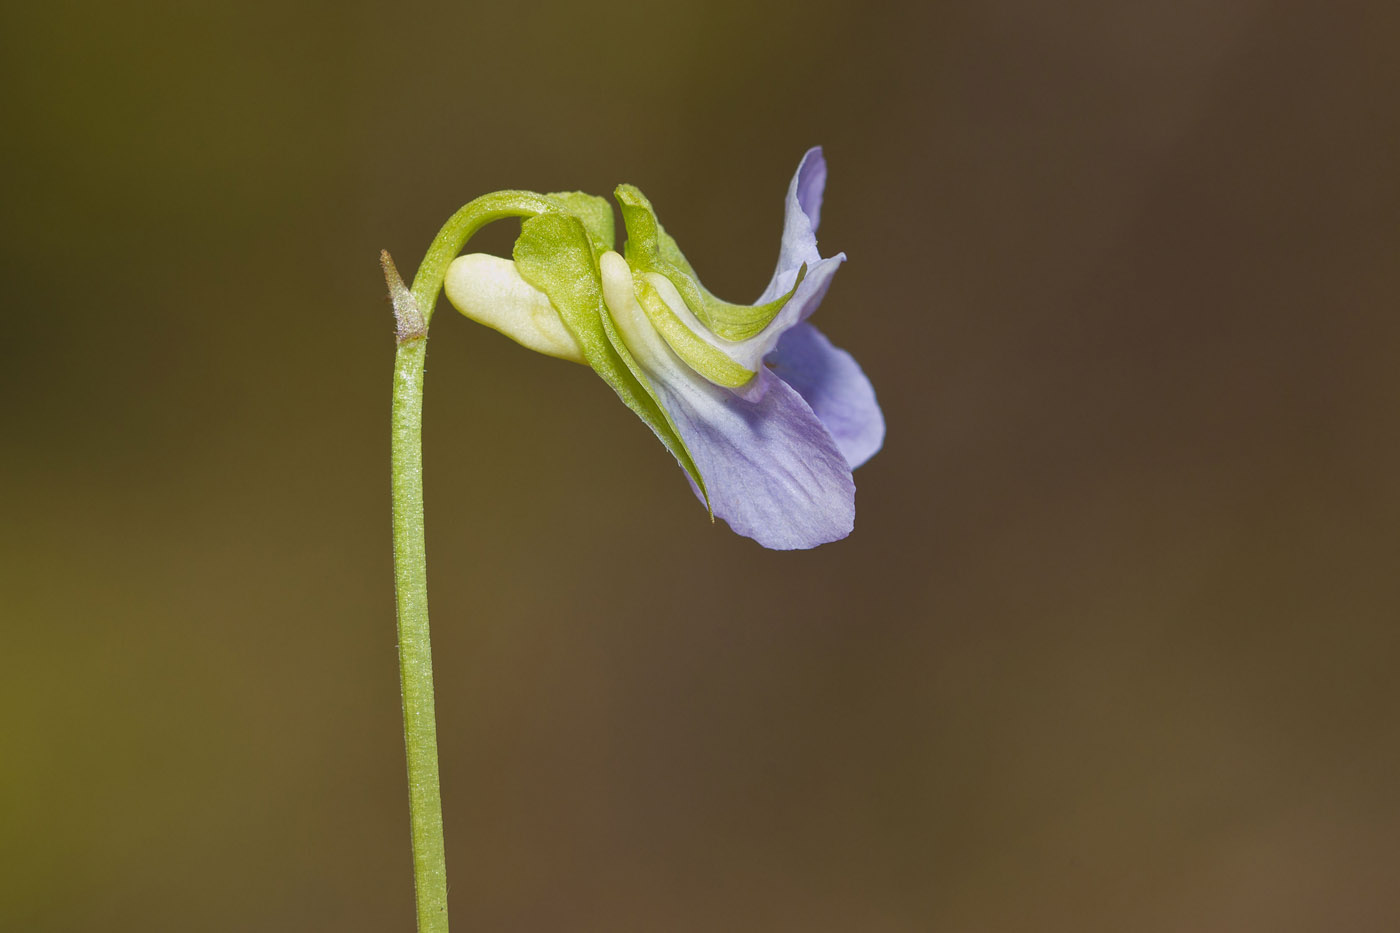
{"type": "Point", "coordinates": [407, 314]}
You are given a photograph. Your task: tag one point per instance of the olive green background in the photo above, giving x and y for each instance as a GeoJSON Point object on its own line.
{"type": "Point", "coordinates": [1113, 646]}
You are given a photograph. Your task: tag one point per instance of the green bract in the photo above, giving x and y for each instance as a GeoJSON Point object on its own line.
{"type": "Point", "coordinates": [595, 213]}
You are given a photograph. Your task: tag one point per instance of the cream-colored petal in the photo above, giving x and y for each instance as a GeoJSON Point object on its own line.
{"type": "Point", "coordinates": [490, 291]}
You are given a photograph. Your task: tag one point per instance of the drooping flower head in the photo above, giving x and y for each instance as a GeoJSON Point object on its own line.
{"type": "Point", "coordinates": [764, 415]}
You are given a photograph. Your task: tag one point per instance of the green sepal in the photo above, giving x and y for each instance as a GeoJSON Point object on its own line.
{"type": "Point", "coordinates": [651, 249]}
{"type": "Point", "coordinates": [555, 254]}
{"type": "Point", "coordinates": [705, 358]}
{"type": "Point", "coordinates": [596, 214]}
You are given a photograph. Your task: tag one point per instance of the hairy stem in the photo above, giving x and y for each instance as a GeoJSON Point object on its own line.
{"type": "Point", "coordinates": [415, 646]}
{"type": "Point", "coordinates": [413, 310]}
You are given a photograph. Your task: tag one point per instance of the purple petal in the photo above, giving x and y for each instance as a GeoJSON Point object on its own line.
{"type": "Point", "coordinates": [803, 302]}
{"type": "Point", "coordinates": [832, 383]}
{"type": "Point", "coordinates": [799, 248]}
{"type": "Point", "coordinates": [772, 471]}
{"type": "Point", "coordinates": [800, 219]}
{"type": "Point", "coordinates": [809, 183]}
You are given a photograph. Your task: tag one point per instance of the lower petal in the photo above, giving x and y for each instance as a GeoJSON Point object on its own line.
{"type": "Point", "coordinates": [832, 383]}
{"type": "Point", "coordinates": [771, 469]}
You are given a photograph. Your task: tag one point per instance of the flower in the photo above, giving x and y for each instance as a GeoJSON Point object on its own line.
{"type": "Point", "coordinates": [764, 414]}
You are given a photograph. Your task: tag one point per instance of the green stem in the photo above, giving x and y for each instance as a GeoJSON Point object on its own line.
{"type": "Point", "coordinates": [448, 244]}
{"type": "Point", "coordinates": [415, 646]}
{"type": "Point", "coordinates": [413, 311]}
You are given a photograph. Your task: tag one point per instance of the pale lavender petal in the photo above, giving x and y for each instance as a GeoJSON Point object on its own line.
{"type": "Point", "coordinates": [800, 219]}
{"type": "Point", "coordinates": [832, 383]}
{"type": "Point", "coordinates": [804, 301]}
{"type": "Point", "coordinates": [811, 182]}
{"type": "Point", "coordinates": [799, 248]}
{"type": "Point", "coordinates": [772, 470]}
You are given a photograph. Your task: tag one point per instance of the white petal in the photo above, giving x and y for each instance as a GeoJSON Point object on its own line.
{"type": "Point", "coordinates": [490, 291]}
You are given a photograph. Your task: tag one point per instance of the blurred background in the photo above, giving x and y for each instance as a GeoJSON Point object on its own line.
{"type": "Point", "coordinates": [1113, 646]}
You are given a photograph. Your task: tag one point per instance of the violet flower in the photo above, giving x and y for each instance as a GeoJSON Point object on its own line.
{"type": "Point", "coordinates": [765, 415]}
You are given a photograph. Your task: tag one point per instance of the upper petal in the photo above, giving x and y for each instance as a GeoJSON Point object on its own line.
{"type": "Point", "coordinates": [832, 383]}
{"type": "Point", "coordinates": [810, 183]}
{"type": "Point", "coordinates": [801, 216]}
